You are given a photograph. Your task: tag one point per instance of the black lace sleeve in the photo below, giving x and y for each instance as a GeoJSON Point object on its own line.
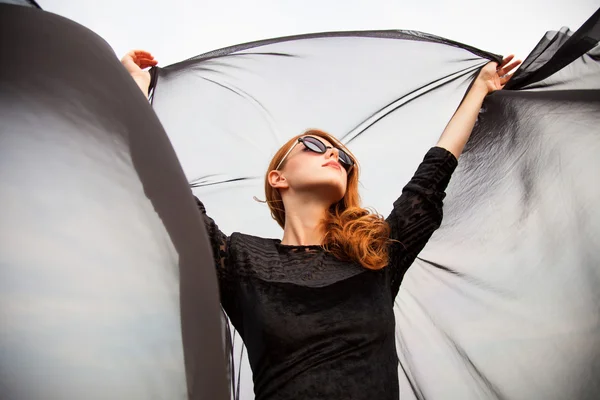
{"type": "Point", "coordinates": [219, 243]}
{"type": "Point", "coordinates": [418, 211]}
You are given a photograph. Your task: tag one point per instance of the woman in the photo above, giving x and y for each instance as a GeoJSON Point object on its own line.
{"type": "Point", "coordinates": [315, 309]}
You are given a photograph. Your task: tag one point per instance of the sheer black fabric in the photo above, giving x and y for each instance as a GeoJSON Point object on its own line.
{"type": "Point", "coordinates": [107, 289]}
{"type": "Point", "coordinates": [502, 302]}
{"type": "Point", "coordinates": [101, 294]}
{"type": "Point", "coordinates": [24, 3]}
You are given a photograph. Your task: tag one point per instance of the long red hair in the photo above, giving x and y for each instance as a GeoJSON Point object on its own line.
{"type": "Point", "coordinates": [352, 233]}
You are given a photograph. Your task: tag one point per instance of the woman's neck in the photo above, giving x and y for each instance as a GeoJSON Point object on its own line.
{"type": "Point", "coordinates": [304, 223]}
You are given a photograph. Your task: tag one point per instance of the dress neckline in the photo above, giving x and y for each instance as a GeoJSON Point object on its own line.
{"type": "Point", "coordinates": [297, 247]}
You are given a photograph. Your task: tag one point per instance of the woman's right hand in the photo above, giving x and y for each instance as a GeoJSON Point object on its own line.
{"type": "Point", "coordinates": [136, 62]}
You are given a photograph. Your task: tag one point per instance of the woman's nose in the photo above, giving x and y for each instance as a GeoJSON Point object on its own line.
{"type": "Point", "coordinates": [333, 152]}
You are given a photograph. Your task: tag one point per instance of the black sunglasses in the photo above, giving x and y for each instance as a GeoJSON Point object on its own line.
{"type": "Point", "coordinates": [315, 145]}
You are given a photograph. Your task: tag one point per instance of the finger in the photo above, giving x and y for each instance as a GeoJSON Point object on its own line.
{"type": "Point", "coordinates": [508, 68]}
{"type": "Point", "coordinates": [131, 53]}
{"type": "Point", "coordinates": [146, 65]}
{"type": "Point", "coordinates": [503, 64]}
{"type": "Point", "coordinates": [147, 60]}
{"type": "Point", "coordinates": [506, 60]}
{"type": "Point", "coordinates": [505, 79]}
{"type": "Point", "coordinates": [143, 57]}
{"type": "Point", "coordinates": [139, 60]}
{"type": "Point", "coordinates": [135, 54]}
{"type": "Point", "coordinates": [512, 65]}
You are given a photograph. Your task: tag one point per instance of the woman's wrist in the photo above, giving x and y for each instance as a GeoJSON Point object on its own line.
{"type": "Point", "coordinates": [479, 89]}
{"type": "Point", "coordinates": [143, 83]}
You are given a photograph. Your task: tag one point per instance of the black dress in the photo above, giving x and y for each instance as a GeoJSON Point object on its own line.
{"type": "Point", "coordinates": [316, 327]}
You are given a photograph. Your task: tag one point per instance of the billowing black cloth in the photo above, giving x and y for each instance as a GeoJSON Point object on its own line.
{"type": "Point", "coordinates": [101, 246]}
{"type": "Point", "coordinates": [101, 294]}
{"type": "Point", "coordinates": [317, 327]}
{"type": "Point", "coordinates": [503, 301]}
{"type": "Point", "coordinates": [24, 3]}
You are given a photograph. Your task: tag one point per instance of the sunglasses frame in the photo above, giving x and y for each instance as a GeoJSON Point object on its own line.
{"type": "Point", "coordinates": [301, 140]}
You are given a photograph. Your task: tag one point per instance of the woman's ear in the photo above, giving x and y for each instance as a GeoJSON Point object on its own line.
{"type": "Point", "coordinates": [277, 180]}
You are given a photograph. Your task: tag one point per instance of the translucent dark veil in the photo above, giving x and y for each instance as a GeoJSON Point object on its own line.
{"type": "Point", "coordinates": [107, 289]}
{"type": "Point", "coordinates": [503, 301]}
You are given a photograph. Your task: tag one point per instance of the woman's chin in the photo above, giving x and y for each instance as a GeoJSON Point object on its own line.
{"type": "Point", "coordinates": [330, 187]}
{"type": "Point", "coordinates": [335, 193]}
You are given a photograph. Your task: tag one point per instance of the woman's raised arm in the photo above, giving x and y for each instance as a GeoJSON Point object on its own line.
{"type": "Point", "coordinates": [491, 78]}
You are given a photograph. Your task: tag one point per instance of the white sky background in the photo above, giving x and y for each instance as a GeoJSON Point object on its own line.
{"type": "Point", "coordinates": [176, 30]}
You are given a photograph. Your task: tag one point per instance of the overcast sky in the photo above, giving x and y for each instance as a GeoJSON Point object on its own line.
{"type": "Point", "coordinates": [180, 29]}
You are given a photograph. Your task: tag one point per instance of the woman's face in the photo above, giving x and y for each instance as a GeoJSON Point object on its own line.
{"type": "Point", "coordinates": [322, 174]}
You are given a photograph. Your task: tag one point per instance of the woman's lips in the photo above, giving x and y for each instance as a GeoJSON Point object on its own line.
{"type": "Point", "coordinates": [333, 164]}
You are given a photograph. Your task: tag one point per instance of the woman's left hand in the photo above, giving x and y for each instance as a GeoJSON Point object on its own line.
{"type": "Point", "coordinates": [493, 77]}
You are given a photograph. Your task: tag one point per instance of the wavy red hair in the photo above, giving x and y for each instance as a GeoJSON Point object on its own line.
{"type": "Point", "coordinates": [352, 233]}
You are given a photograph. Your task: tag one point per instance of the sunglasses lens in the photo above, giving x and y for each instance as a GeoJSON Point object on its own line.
{"type": "Point", "coordinates": [345, 158]}
{"type": "Point", "coordinates": [314, 145]}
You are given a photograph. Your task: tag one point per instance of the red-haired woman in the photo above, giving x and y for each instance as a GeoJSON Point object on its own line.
{"type": "Point", "coordinates": [315, 309]}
